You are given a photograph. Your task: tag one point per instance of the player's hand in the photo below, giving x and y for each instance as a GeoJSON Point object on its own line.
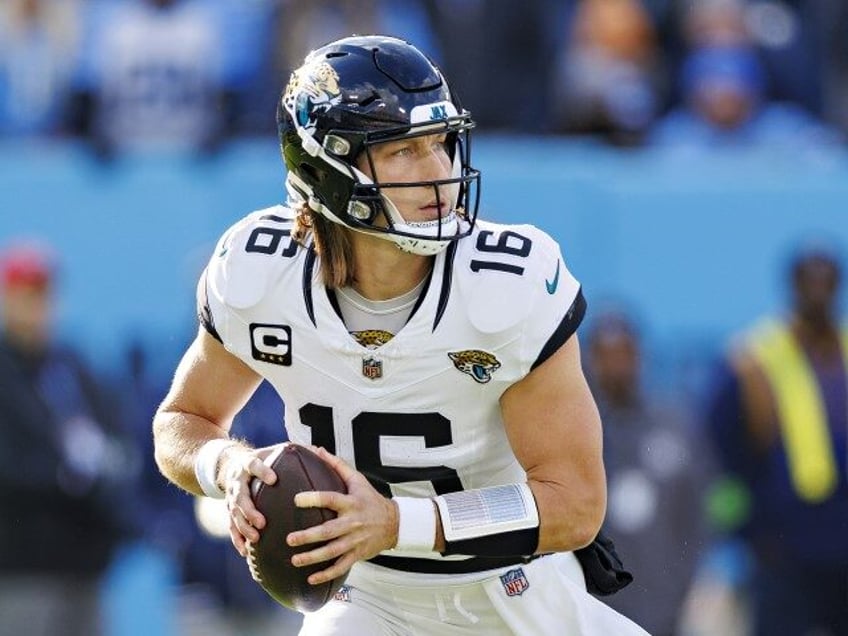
{"type": "Point", "coordinates": [239, 466]}
{"type": "Point", "coordinates": [365, 525]}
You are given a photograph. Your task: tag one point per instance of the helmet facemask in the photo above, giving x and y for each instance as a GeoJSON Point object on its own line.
{"type": "Point", "coordinates": [372, 200]}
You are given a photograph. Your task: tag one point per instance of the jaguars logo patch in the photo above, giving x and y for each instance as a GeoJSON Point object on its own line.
{"type": "Point", "coordinates": [312, 90]}
{"type": "Point", "coordinates": [480, 365]}
{"type": "Point", "coordinates": [372, 338]}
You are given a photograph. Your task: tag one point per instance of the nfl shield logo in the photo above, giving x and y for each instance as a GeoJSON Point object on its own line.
{"type": "Point", "coordinates": [514, 582]}
{"type": "Point", "coordinates": [372, 368]}
{"type": "Point", "coordinates": [343, 594]}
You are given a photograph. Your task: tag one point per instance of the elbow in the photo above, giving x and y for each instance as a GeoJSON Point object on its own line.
{"type": "Point", "coordinates": [158, 453]}
{"type": "Point", "coordinates": [587, 522]}
{"type": "Point", "coordinates": [572, 520]}
{"type": "Point", "coordinates": [160, 446]}
{"type": "Point", "coordinates": [585, 532]}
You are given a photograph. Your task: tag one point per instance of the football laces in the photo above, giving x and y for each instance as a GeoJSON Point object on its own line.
{"type": "Point", "coordinates": [252, 565]}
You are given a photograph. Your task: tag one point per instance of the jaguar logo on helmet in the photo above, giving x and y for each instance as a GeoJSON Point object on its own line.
{"type": "Point", "coordinates": [312, 90]}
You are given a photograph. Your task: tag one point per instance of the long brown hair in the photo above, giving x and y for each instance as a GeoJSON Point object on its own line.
{"type": "Point", "coordinates": [332, 244]}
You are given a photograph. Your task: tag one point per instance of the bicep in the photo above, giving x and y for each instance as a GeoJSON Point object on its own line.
{"type": "Point", "coordinates": [551, 418]}
{"type": "Point", "coordinates": [210, 382]}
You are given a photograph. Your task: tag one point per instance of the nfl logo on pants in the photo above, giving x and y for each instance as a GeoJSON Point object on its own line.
{"type": "Point", "coordinates": [514, 582]}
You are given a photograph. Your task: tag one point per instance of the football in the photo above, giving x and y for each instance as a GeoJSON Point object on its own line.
{"type": "Point", "coordinates": [298, 469]}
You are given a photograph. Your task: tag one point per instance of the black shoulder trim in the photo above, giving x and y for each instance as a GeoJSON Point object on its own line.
{"type": "Point", "coordinates": [447, 277]}
{"type": "Point", "coordinates": [204, 313]}
{"type": "Point", "coordinates": [573, 318]}
{"type": "Point", "coordinates": [308, 269]}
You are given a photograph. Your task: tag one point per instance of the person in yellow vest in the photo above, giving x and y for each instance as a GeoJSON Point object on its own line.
{"type": "Point", "coordinates": [779, 419]}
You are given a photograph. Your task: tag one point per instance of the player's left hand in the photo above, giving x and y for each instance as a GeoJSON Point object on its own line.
{"type": "Point", "coordinates": [365, 525]}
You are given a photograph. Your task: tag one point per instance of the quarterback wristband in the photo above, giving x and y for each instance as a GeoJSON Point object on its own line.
{"type": "Point", "coordinates": [499, 520]}
{"type": "Point", "coordinates": [206, 466]}
{"type": "Point", "coordinates": [416, 524]}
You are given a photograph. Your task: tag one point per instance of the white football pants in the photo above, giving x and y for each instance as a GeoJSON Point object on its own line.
{"type": "Point", "coordinates": [544, 597]}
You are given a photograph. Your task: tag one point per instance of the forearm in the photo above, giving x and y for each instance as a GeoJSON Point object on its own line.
{"type": "Point", "coordinates": [177, 439]}
{"type": "Point", "coordinates": [569, 519]}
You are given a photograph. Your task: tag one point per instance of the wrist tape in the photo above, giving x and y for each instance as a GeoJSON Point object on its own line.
{"type": "Point", "coordinates": [206, 466]}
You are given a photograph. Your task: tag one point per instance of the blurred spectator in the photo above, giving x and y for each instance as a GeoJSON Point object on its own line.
{"type": "Point", "coordinates": [825, 23]}
{"type": "Point", "coordinates": [725, 105]}
{"type": "Point", "coordinates": [765, 27]}
{"type": "Point", "coordinates": [657, 475]}
{"type": "Point", "coordinates": [502, 48]}
{"type": "Point", "coordinates": [65, 465]}
{"type": "Point", "coordinates": [609, 75]}
{"type": "Point", "coordinates": [779, 419]}
{"type": "Point", "coordinates": [38, 40]}
{"type": "Point", "coordinates": [161, 74]}
{"type": "Point", "coordinates": [303, 25]}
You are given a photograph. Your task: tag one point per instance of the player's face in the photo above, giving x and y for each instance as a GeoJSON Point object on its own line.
{"type": "Point", "coordinates": [407, 161]}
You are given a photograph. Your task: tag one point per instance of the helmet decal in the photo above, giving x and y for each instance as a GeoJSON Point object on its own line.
{"type": "Point", "coordinates": [312, 90]}
{"type": "Point", "coordinates": [438, 111]}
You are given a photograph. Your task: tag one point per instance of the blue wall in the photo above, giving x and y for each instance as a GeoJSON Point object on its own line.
{"type": "Point", "coordinates": [695, 241]}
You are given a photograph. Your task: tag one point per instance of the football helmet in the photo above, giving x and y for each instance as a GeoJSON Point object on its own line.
{"type": "Point", "coordinates": [357, 92]}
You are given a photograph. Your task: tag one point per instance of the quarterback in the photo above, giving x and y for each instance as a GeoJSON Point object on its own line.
{"type": "Point", "coordinates": [431, 358]}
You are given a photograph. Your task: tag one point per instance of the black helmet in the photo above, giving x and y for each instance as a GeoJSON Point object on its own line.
{"type": "Point", "coordinates": [357, 92]}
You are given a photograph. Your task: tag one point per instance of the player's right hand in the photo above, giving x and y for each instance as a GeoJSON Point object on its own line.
{"type": "Point", "coordinates": [239, 466]}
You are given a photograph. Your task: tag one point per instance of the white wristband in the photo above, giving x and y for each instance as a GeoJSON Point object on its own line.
{"type": "Point", "coordinates": [416, 524]}
{"type": "Point", "coordinates": [206, 466]}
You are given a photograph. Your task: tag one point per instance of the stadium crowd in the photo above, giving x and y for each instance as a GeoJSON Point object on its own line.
{"type": "Point", "coordinates": [129, 76]}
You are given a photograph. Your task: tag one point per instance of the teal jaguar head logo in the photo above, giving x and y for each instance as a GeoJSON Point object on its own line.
{"type": "Point", "coordinates": [480, 365]}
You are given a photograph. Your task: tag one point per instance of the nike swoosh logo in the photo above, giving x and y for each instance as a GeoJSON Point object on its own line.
{"type": "Point", "coordinates": [551, 285]}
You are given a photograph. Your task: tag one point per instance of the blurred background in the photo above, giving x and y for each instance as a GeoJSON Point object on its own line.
{"type": "Point", "coordinates": [685, 153]}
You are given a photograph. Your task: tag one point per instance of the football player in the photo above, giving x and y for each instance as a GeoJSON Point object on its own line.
{"type": "Point", "coordinates": [432, 358]}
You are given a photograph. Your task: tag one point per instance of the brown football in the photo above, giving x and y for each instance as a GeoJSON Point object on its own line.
{"type": "Point", "coordinates": [269, 559]}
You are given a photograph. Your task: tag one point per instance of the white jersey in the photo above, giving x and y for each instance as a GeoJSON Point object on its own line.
{"type": "Point", "coordinates": [418, 414]}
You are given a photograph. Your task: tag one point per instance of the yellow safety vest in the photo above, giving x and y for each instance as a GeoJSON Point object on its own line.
{"type": "Point", "coordinates": [800, 409]}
